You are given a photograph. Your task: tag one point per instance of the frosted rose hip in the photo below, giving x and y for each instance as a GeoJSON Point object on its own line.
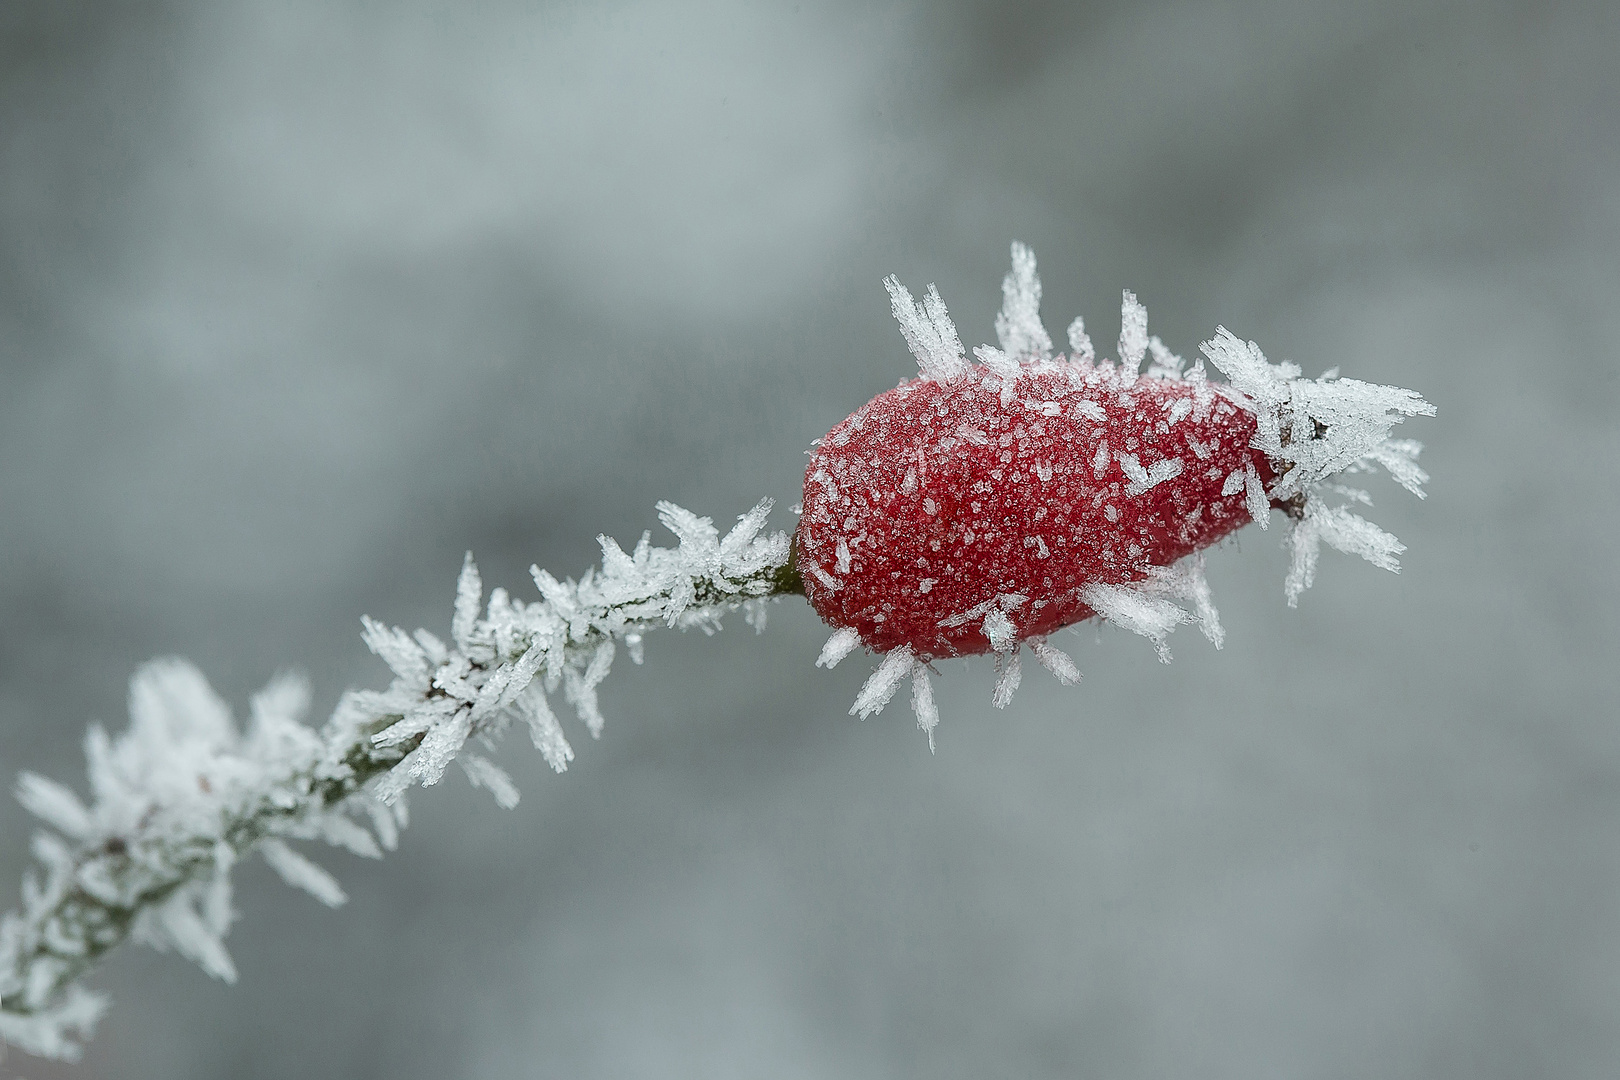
{"type": "Point", "coordinates": [939, 498]}
{"type": "Point", "coordinates": [984, 505]}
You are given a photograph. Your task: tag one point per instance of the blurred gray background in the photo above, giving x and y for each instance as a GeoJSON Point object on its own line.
{"type": "Point", "coordinates": [299, 301]}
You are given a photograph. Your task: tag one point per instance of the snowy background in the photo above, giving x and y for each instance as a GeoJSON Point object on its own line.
{"type": "Point", "coordinates": [300, 301]}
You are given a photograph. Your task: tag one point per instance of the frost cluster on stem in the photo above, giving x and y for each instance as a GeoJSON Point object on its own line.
{"type": "Point", "coordinates": [182, 795]}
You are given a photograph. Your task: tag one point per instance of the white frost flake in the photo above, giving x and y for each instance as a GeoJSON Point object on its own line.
{"type": "Point", "coordinates": [1018, 325]}
{"type": "Point", "coordinates": [840, 645]}
{"type": "Point", "coordinates": [301, 873]}
{"type": "Point", "coordinates": [1142, 479]}
{"type": "Point", "coordinates": [999, 629]}
{"type": "Point", "coordinates": [922, 703]}
{"type": "Point", "coordinates": [1137, 612]}
{"type": "Point", "coordinates": [1012, 673]}
{"type": "Point", "coordinates": [1255, 497]}
{"type": "Point", "coordinates": [1314, 429]}
{"type": "Point", "coordinates": [1133, 336]}
{"type": "Point", "coordinates": [483, 773]}
{"type": "Point", "coordinates": [1004, 368]}
{"type": "Point", "coordinates": [1080, 346]}
{"type": "Point", "coordinates": [880, 687]}
{"type": "Point", "coordinates": [928, 331]}
{"type": "Point", "coordinates": [1148, 607]}
{"type": "Point", "coordinates": [1166, 364]}
{"type": "Point", "coordinates": [1055, 660]}
{"type": "Point", "coordinates": [55, 805]}
{"type": "Point", "coordinates": [1340, 529]}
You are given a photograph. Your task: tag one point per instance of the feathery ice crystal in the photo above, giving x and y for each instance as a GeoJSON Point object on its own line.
{"type": "Point", "coordinates": [975, 509]}
{"type": "Point", "coordinates": [980, 506]}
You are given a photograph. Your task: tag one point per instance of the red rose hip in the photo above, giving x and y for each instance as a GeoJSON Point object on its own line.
{"type": "Point", "coordinates": [981, 506]}
{"type": "Point", "coordinates": [939, 497]}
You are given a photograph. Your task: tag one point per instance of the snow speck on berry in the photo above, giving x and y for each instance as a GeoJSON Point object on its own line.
{"type": "Point", "coordinates": [984, 505]}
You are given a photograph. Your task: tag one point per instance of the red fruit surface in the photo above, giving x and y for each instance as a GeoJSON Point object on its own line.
{"type": "Point", "coordinates": [938, 496]}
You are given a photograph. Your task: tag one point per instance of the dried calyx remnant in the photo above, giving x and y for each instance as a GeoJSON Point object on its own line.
{"type": "Point", "coordinates": [976, 508]}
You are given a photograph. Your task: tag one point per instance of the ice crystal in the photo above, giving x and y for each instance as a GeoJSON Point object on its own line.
{"type": "Point", "coordinates": [1314, 430]}
{"type": "Point", "coordinates": [928, 330]}
{"type": "Point", "coordinates": [1018, 326]}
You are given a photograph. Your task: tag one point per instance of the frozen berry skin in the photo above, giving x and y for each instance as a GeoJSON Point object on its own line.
{"type": "Point", "coordinates": [941, 495]}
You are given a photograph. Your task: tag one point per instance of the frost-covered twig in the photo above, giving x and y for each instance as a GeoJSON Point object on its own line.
{"type": "Point", "coordinates": [182, 796]}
